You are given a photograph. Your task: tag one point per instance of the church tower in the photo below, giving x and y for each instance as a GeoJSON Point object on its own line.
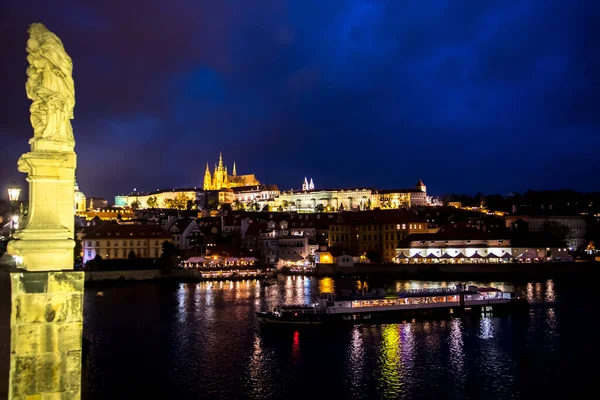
{"type": "Point", "coordinates": [421, 186]}
{"type": "Point", "coordinates": [219, 171]}
{"type": "Point", "coordinates": [79, 199]}
{"type": "Point", "coordinates": [234, 171]}
{"type": "Point", "coordinates": [207, 179]}
{"type": "Point", "coordinates": [311, 185]}
{"type": "Point", "coordinates": [305, 185]}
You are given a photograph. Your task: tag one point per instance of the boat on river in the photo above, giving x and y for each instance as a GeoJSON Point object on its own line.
{"type": "Point", "coordinates": [377, 306]}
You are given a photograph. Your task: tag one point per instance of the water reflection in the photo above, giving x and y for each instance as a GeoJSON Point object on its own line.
{"type": "Point", "coordinates": [550, 296]}
{"type": "Point", "coordinates": [355, 361]}
{"type": "Point", "coordinates": [456, 343]}
{"type": "Point", "coordinates": [529, 292]}
{"type": "Point", "coordinates": [206, 343]}
{"type": "Point", "coordinates": [486, 330]}
{"type": "Point", "coordinates": [296, 348]}
{"type": "Point", "coordinates": [258, 369]}
{"type": "Point", "coordinates": [326, 285]}
{"type": "Point", "coordinates": [389, 362]}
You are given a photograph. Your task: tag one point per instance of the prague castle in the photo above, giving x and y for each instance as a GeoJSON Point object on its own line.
{"type": "Point", "coordinates": [220, 179]}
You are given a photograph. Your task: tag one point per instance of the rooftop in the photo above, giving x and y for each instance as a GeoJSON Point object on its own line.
{"type": "Point", "coordinates": [115, 230]}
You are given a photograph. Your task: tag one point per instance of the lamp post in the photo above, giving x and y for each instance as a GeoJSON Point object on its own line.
{"type": "Point", "coordinates": [14, 192]}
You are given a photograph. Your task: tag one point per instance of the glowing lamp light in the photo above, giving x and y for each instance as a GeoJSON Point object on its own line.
{"type": "Point", "coordinates": [14, 192]}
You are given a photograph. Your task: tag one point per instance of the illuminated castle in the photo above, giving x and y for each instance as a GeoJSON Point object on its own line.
{"type": "Point", "coordinates": [220, 179]}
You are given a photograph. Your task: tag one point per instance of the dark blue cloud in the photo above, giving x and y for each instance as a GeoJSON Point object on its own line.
{"type": "Point", "coordinates": [489, 96]}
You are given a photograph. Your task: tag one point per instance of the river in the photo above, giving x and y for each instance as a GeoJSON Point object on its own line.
{"type": "Point", "coordinates": [201, 340]}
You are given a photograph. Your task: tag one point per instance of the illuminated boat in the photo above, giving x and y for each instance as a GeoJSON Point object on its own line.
{"type": "Point", "coordinates": [376, 306]}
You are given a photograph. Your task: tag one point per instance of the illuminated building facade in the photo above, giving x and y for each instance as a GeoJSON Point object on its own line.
{"type": "Point", "coordinates": [308, 199]}
{"type": "Point", "coordinates": [220, 179]}
{"type": "Point", "coordinates": [574, 225]}
{"type": "Point", "coordinates": [256, 194]}
{"type": "Point", "coordinates": [330, 200]}
{"type": "Point", "coordinates": [377, 230]}
{"type": "Point", "coordinates": [159, 198]}
{"type": "Point", "coordinates": [116, 241]}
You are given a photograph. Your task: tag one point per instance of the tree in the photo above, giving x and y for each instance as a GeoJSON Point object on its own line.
{"type": "Point", "coordinates": [369, 205]}
{"type": "Point", "coordinates": [265, 208]}
{"type": "Point", "coordinates": [558, 230]}
{"type": "Point", "coordinates": [77, 251]}
{"type": "Point", "coordinates": [319, 208]}
{"type": "Point", "coordinates": [181, 201]}
{"type": "Point", "coordinates": [373, 256]}
{"type": "Point", "coordinates": [285, 204]}
{"type": "Point", "coordinates": [135, 204]}
{"type": "Point", "coordinates": [169, 254]}
{"type": "Point", "coordinates": [152, 202]}
{"type": "Point", "coordinates": [238, 206]}
{"type": "Point", "coordinates": [311, 259]}
{"type": "Point", "coordinates": [190, 204]}
{"type": "Point", "coordinates": [280, 208]}
{"type": "Point", "coordinates": [225, 207]}
{"type": "Point", "coordinates": [214, 204]}
{"type": "Point", "coordinates": [95, 264]}
{"type": "Point", "coordinates": [255, 206]}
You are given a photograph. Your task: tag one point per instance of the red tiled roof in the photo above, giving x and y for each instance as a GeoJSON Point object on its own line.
{"type": "Point", "coordinates": [114, 230]}
{"type": "Point", "coordinates": [376, 217]}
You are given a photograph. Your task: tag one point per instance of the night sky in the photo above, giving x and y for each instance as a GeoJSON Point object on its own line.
{"type": "Point", "coordinates": [492, 96]}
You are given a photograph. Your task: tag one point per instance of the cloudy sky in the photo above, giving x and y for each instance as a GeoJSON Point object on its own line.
{"type": "Point", "coordinates": [492, 96]}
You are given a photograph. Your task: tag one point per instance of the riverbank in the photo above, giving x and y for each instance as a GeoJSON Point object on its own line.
{"type": "Point", "coordinates": [181, 275]}
{"type": "Point", "coordinates": [392, 271]}
{"type": "Point", "coordinates": [439, 271]}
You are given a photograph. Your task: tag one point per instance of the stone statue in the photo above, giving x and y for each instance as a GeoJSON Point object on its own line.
{"type": "Point", "coordinates": [50, 86]}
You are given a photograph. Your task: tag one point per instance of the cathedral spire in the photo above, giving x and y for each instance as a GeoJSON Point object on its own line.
{"type": "Point", "coordinates": [207, 169]}
{"type": "Point", "coordinates": [234, 171]}
{"type": "Point", "coordinates": [220, 161]}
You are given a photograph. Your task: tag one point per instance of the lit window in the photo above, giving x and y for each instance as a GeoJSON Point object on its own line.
{"type": "Point", "coordinates": [398, 226]}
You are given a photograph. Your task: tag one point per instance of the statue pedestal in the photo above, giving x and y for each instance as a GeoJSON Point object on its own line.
{"type": "Point", "coordinates": [46, 324]}
{"type": "Point", "coordinates": [46, 241]}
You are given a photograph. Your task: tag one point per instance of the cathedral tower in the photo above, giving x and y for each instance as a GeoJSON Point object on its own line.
{"type": "Point", "coordinates": [207, 179]}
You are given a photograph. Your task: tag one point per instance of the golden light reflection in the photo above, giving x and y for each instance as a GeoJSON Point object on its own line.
{"type": "Point", "coordinates": [258, 368]}
{"type": "Point", "coordinates": [326, 285]}
{"type": "Point", "coordinates": [390, 362]}
{"type": "Point", "coordinates": [538, 291]}
{"type": "Point", "coordinates": [529, 292]}
{"type": "Point", "coordinates": [550, 296]}
{"type": "Point", "coordinates": [356, 360]}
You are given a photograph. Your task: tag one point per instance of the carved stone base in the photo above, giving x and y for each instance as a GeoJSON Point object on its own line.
{"type": "Point", "coordinates": [43, 255]}
{"type": "Point", "coordinates": [46, 328]}
{"type": "Point", "coordinates": [46, 241]}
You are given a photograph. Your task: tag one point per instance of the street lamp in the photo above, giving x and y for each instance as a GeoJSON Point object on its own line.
{"type": "Point", "coordinates": [14, 192]}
